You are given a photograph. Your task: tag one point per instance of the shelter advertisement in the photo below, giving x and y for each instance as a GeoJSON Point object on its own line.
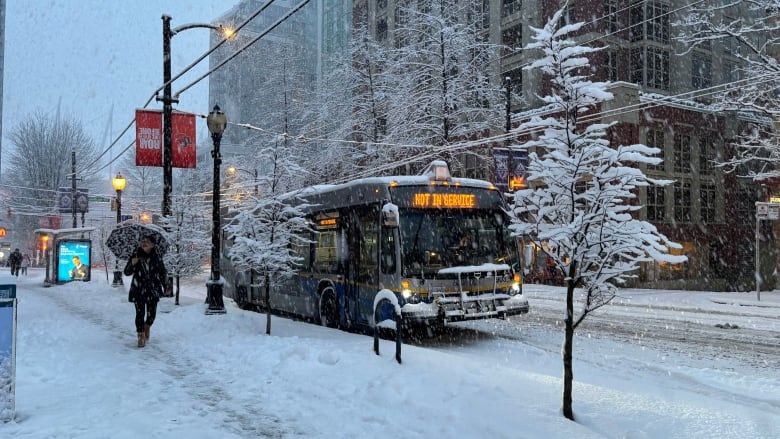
{"type": "Point", "coordinates": [7, 351]}
{"type": "Point", "coordinates": [73, 259]}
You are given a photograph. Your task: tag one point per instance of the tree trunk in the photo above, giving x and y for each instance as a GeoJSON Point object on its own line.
{"type": "Point", "coordinates": [568, 347]}
{"type": "Point", "coordinates": [268, 304]}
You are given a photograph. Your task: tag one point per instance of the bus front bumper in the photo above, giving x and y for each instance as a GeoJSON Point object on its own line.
{"type": "Point", "coordinates": [461, 308]}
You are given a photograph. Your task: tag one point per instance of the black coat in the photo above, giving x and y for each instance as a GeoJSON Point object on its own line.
{"type": "Point", "coordinates": [150, 278]}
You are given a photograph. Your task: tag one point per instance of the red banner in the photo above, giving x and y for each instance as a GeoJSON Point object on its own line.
{"type": "Point", "coordinates": [148, 138]}
{"type": "Point", "coordinates": [183, 145]}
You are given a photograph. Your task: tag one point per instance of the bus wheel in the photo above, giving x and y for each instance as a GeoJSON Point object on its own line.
{"type": "Point", "coordinates": [329, 311]}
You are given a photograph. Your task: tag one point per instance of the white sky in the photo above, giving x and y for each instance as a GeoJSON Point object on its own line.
{"type": "Point", "coordinates": [93, 54]}
{"type": "Point", "coordinates": [79, 374]}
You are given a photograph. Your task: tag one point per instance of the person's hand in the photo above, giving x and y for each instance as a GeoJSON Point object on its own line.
{"type": "Point", "coordinates": [134, 260]}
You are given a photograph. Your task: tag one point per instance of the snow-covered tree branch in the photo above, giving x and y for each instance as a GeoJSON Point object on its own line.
{"type": "Point", "coordinates": [577, 207]}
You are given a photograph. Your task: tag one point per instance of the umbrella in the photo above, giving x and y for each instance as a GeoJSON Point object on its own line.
{"type": "Point", "coordinates": [125, 239]}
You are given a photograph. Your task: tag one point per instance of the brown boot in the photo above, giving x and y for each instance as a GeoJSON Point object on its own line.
{"type": "Point", "coordinates": [147, 328]}
{"type": "Point", "coordinates": [141, 340]}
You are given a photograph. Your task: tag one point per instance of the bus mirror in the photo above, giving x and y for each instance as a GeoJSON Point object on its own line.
{"type": "Point", "coordinates": [390, 215]}
{"type": "Point", "coordinates": [389, 219]}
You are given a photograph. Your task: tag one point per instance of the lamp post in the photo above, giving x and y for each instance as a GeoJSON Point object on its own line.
{"type": "Point", "coordinates": [119, 183]}
{"type": "Point", "coordinates": [168, 102]}
{"type": "Point", "coordinates": [217, 122]}
{"type": "Point", "coordinates": [45, 248]}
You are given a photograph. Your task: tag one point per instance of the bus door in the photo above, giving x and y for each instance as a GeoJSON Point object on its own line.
{"type": "Point", "coordinates": [361, 275]}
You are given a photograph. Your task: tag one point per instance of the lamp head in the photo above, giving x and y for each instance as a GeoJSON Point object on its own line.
{"type": "Point", "coordinates": [119, 182]}
{"type": "Point", "coordinates": [216, 121]}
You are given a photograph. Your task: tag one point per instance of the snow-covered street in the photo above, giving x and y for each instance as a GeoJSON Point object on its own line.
{"type": "Point", "coordinates": [79, 374]}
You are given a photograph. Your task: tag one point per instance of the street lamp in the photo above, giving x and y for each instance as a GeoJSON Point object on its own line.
{"type": "Point", "coordinates": [119, 183]}
{"type": "Point", "coordinates": [217, 122]}
{"type": "Point", "coordinates": [168, 101]}
{"type": "Point", "coordinates": [233, 170]}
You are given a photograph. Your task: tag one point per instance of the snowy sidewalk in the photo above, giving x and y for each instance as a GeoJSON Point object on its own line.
{"type": "Point", "coordinates": [80, 355]}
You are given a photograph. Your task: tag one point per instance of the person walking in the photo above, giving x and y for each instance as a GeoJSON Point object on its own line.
{"type": "Point", "coordinates": [24, 264]}
{"type": "Point", "coordinates": [150, 281]}
{"type": "Point", "coordinates": [15, 260]}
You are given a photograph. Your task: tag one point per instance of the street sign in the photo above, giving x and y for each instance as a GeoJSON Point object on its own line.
{"type": "Point", "coordinates": [767, 211]}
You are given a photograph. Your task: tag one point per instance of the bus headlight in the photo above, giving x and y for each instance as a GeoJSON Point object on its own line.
{"type": "Point", "coordinates": [412, 298]}
{"type": "Point", "coordinates": [516, 283]}
{"type": "Point", "coordinates": [407, 293]}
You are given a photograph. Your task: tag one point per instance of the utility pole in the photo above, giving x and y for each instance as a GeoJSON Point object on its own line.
{"type": "Point", "coordinates": [167, 101]}
{"type": "Point", "coordinates": [73, 185]}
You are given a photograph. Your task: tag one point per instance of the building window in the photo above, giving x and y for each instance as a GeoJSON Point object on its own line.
{"type": "Point", "coordinates": [650, 21]}
{"type": "Point", "coordinates": [706, 153]}
{"type": "Point", "coordinates": [655, 139]}
{"type": "Point", "coordinates": [650, 67]}
{"type": "Point", "coordinates": [701, 71]}
{"type": "Point", "coordinates": [611, 65]}
{"type": "Point", "coordinates": [682, 201]}
{"type": "Point", "coordinates": [657, 68]}
{"type": "Point", "coordinates": [682, 153]}
{"type": "Point", "coordinates": [610, 14]}
{"type": "Point", "coordinates": [512, 38]}
{"type": "Point", "coordinates": [656, 209]}
{"type": "Point", "coordinates": [707, 199]}
{"type": "Point", "coordinates": [509, 7]}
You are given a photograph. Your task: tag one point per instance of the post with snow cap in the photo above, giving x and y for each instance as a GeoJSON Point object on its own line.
{"type": "Point", "coordinates": [217, 122]}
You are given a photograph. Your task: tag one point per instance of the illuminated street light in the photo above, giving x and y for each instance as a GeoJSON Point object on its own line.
{"type": "Point", "coordinates": [119, 182]}
{"type": "Point", "coordinates": [169, 100]}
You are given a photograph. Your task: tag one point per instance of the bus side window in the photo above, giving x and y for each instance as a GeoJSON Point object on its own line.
{"type": "Point", "coordinates": [325, 253]}
{"type": "Point", "coordinates": [387, 263]}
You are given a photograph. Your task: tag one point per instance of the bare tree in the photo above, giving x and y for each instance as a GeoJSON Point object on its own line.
{"type": "Point", "coordinates": [266, 235]}
{"type": "Point", "coordinates": [445, 82]}
{"type": "Point", "coordinates": [40, 161]}
{"type": "Point", "coordinates": [748, 33]}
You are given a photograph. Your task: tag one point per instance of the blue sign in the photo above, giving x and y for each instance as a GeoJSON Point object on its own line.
{"type": "Point", "coordinates": [73, 259]}
{"type": "Point", "coordinates": [7, 351]}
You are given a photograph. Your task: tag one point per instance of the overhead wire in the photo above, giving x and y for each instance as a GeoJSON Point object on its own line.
{"type": "Point", "coordinates": [486, 140]}
{"type": "Point", "coordinates": [300, 5]}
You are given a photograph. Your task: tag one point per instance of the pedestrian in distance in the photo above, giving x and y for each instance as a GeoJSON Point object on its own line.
{"type": "Point", "coordinates": [150, 281]}
{"type": "Point", "coordinates": [24, 264]}
{"type": "Point", "coordinates": [15, 261]}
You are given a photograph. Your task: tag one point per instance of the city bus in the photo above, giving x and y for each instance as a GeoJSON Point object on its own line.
{"type": "Point", "coordinates": [440, 245]}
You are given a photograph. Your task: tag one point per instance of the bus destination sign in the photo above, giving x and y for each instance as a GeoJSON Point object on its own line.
{"type": "Point", "coordinates": [444, 201]}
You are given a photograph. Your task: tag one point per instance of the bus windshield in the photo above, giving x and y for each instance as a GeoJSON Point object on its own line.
{"type": "Point", "coordinates": [432, 239]}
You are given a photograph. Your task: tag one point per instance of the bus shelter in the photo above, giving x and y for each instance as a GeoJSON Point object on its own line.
{"type": "Point", "coordinates": [67, 254]}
